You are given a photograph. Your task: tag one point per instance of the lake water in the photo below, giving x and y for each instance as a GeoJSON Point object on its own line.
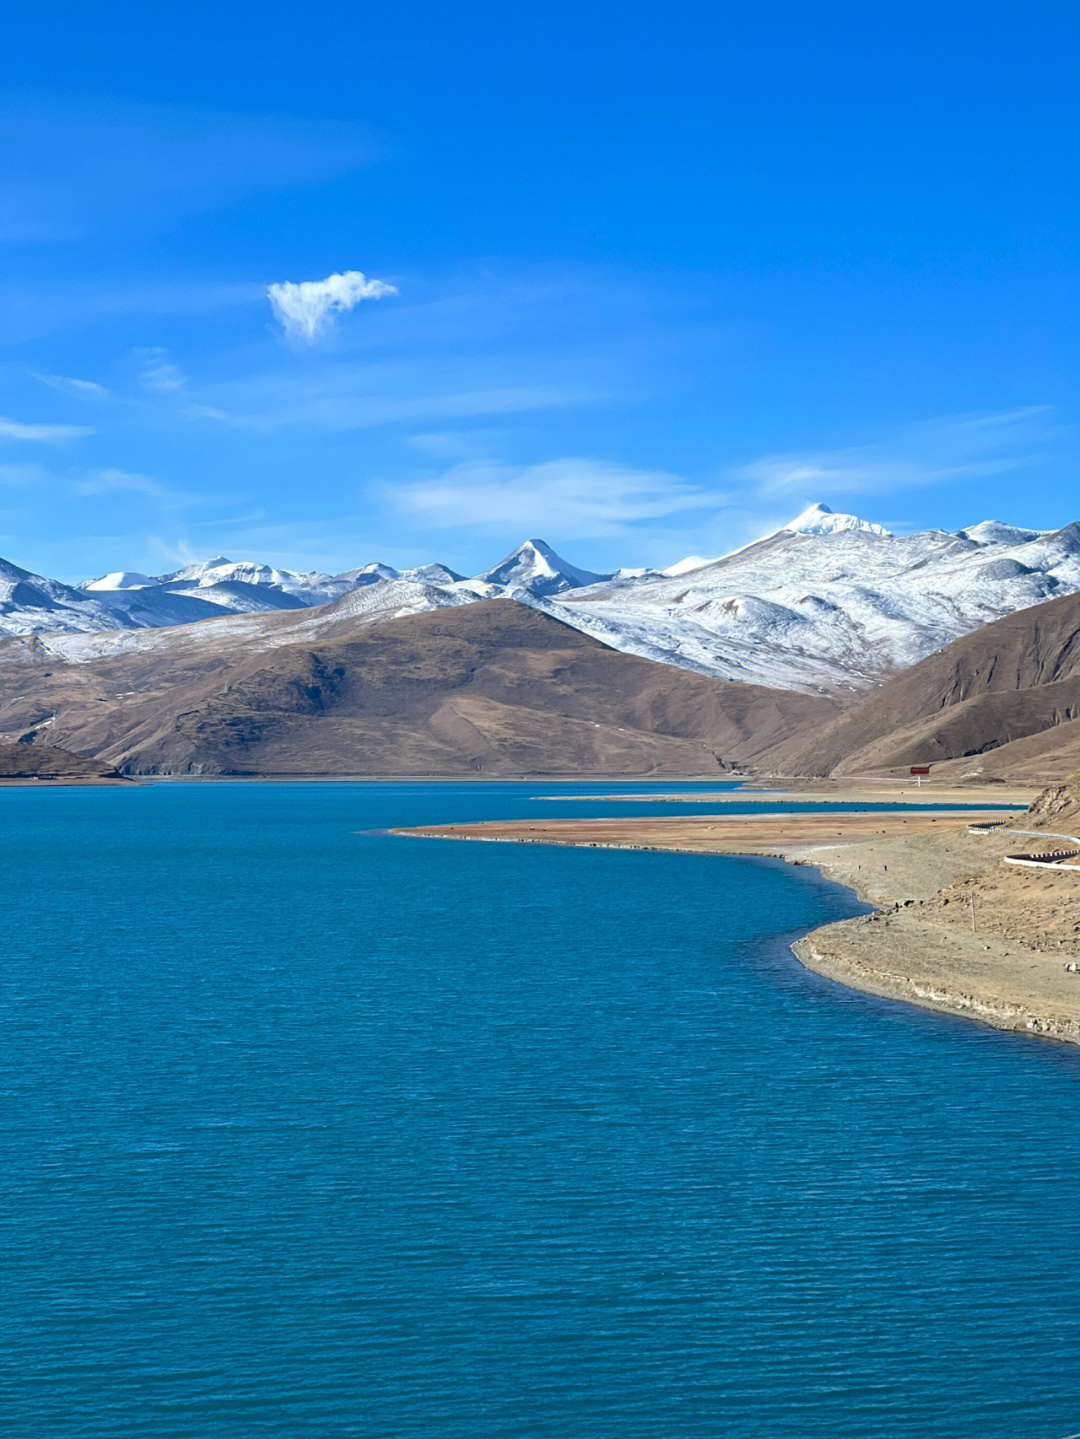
{"type": "Point", "coordinates": [312, 1131]}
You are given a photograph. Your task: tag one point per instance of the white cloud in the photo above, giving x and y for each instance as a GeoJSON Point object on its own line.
{"type": "Point", "coordinates": [576, 498]}
{"type": "Point", "coordinates": [306, 310]}
{"type": "Point", "coordinates": [158, 373]}
{"type": "Point", "coordinates": [46, 434]}
{"type": "Point", "coordinates": [953, 447]}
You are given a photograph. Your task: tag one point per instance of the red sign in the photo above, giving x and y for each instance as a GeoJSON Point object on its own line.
{"type": "Point", "coordinates": [920, 769]}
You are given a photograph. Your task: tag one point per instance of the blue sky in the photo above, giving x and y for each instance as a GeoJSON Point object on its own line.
{"type": "Point", "coordinates": [649, 278]}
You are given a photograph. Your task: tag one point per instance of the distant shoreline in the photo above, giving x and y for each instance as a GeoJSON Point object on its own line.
{"type": "Point", "coordinates": [65, 781]}
{"type": "Point", "coordinates": [377, 779]}
{"type": "Point", "coordinates": [355, 779]}
{"type": "Point", "coordinates": [747, 788]}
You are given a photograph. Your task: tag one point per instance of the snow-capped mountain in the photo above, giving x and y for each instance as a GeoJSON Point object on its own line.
{"type": "Point", "coordinates": [837, 610]}
{"type": "Point", "coordinates": [120, 580]}
{"type": "Point", "coordinates": [827, 602]}
{"type": "Point", "coordinates": [820, 520]}
{"type": "Point", "coordinates": [537, 569]}
{"type": "Point", "coordinates": [816, 519]}
{"type": "Point", "coordinates": [435, 574]}
{"type": "Point", "coordinates": [201, 591]}
{"type": "Point", "coordinates": [30, 602]}
{"type": "Point", "coordinates": [219, 580]}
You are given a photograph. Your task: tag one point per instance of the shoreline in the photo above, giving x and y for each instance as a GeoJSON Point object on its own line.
{"type": "Point", "coordinates": [381, 779]}
{"type": "Point", "coordinates": [951, 930]}
{"type": "Point", "coordinates": [876, 793]}
{"type": "Point", "coordinates": [830, 956]}
{"type": "Point", "coordinates": [746, 789]}
{"type": "Point", "coordinates": [63, 781]}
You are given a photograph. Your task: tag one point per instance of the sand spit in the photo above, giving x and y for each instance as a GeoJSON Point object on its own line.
{"type": "Point", "coordinates": [953, 930]}
{"type": "Point", "coordinates": [820, 792]}
{"type": "Point", "coordinates": [764, 834]}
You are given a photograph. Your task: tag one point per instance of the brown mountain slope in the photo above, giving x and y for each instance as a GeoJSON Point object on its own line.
{"type": "Point", "coordinates": [494, 687]}
{"type": "Point", "coordinates": [1036, 760]}
{"type": "Point", "coordinates": [1012, 686]}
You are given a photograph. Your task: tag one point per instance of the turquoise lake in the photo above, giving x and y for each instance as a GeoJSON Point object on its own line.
{"type": "Point", "coordinates": [307, 1130]}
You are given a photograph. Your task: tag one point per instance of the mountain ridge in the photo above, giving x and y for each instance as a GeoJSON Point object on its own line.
{"type": "Point", "coordinates": [829, 603]}
{"type": "Point", "coordinates": [492, 686]}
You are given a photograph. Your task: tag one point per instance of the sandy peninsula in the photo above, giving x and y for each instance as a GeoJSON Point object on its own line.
{"type": "Point", "coordinates": [823, 791]}
{"type": "Point", "coordinates": [953, 928]}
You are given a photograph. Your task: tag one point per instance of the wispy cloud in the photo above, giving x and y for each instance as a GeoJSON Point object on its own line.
{"type": "Point", "coordinates": [339, 405]}
{"type": "Point", "coordinates": [44, 434]}
{"type": "Point", "coordinates": [307, 310]}
{"type": "Point", "coordinates": [466, 444]}
{"type": "Point", "coordinates": [114, 482]}
{"type": "Point", "coordinates": [69, 385]}
{"type": "Point", "coordinates": [579, 498]}
{"type": "Point", "coordinates": [85, 166]}
{"type": "Point", "coordinates": [31, 309]}
{"type": "Point", "coordinates": [159, 374]}
{"type": "Point", "coordinates": [96, 484]}
{"type": "Point", "coordinates": [953, 447]}
{"type": "Point", "coordinates": [23, 474]}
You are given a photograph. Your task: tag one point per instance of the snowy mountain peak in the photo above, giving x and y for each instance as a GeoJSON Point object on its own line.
{"type": "Point", "coordinates": [219, 570]}
{"type": "Point", "coordinates": [201, 567]}
{"type": "Point", "coordinates": [818, 519]}
{"type": "Point", "coordinates": [684, 567]}
{"type": "Point", "coordinates": [369, 574]}
{"type": "Point", "coordinates": [993, 532]}
{"type": "Point", "coordinates": [534, 566]}
{"type": "Point", "coordinates": [433, 574]}
{"type": "Point", "coordinates": [120, 580]}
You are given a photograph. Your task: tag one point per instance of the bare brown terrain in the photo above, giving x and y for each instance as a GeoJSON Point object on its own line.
{"type": "Point", "coordinates": [1002, 702]}
{"type": "Point", "coordinates": [492, 688]}
{"type": "Point", "coordinates": [956, 930]}
{"type": "Point", "coordinates": [826, 790]}
{"type": "Point", "coordinates": [761, 834]}
{"type": "Point", "coordinates": [500, 689]}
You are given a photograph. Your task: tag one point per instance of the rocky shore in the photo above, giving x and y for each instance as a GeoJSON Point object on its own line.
{"type": "Point", "coordinates": [954, 930]}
